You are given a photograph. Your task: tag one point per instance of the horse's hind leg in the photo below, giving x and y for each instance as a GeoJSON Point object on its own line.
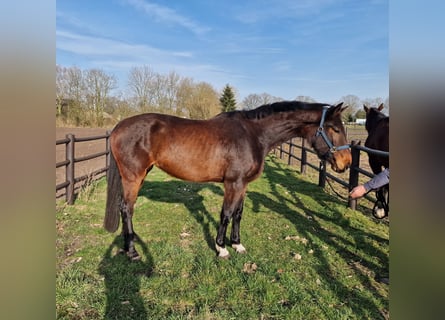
{"type": "Point", "coordinates": [131, 190]}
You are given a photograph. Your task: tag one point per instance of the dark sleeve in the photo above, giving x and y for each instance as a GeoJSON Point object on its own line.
{"type": "Point", "coordinates": [378, 181]}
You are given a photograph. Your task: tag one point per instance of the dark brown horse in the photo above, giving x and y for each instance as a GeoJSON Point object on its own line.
{"type": "Point", "coordinates": [377, 125]}
{"type": "Point", "coordinates": [229, 148]}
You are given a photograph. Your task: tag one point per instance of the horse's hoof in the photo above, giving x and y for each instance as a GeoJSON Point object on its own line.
{"type": "Point", "coordinates": [379, 213]}
{"type": "Point", "coordinates": [226, 257]}
{"type": "Point", "coordinates": [134, 256]}
{"type": "Point", "coordinates": [239, 248]}
{"type": "Point", "coordinates": [223, 253]}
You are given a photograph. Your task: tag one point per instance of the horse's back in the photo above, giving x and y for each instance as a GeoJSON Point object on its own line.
{"type": "Point", "coordinates": [194, 150]}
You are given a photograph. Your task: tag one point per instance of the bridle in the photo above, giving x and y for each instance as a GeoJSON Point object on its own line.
{"type": "Point", "coordinates": [332, 148]}
{"type": "Point", "coordinates": [322, 133]}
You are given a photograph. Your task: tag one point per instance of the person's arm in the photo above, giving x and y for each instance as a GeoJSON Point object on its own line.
{"type": "Point", "coordinates": [378, 181]}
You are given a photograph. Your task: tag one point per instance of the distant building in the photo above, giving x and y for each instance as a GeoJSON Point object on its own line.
{"type": "Point", "coordinates": [360, 121]}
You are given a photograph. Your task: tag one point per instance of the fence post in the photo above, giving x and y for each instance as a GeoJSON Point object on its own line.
{"type": "Point", "coordinates": [303, 157]}
{"type": "Point", "coordinates": [69, 151]}
{"type": "Point", "coordinates": [290, 152]}
{"type": "Point", "coordinates": [322, 174]}
{"type": "Point", "coordinates": [353, 172]}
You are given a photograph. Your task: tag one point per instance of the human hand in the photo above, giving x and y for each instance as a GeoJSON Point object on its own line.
{"type": "Point", "coordinates": [357, 192]}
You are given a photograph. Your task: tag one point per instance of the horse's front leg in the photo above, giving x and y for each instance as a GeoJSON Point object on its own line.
{"type": "Point", "coordinates": [222, 229]}
{"type": "Point", "coordinates": [381, 209]}
{"type": "Point", "coordinates": [233, 205]}
{"type": "Point", "coordinates": [235, 234]}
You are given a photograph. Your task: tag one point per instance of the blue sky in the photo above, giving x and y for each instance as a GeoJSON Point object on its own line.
{"type": "Point", "coordinates": [324, 49]}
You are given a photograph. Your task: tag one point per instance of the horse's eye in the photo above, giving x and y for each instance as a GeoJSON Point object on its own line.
{"type": "Point", "coordinates": [336, 129]}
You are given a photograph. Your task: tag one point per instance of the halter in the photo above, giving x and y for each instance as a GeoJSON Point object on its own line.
{"type": "Point", "coordinates": [320, 131]}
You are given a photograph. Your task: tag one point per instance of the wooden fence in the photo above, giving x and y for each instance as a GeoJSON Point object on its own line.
{"type": "Point", "coordinates": [290, 148]}
{"type": "Point", "coordinates": [294, 151]}
{"type": "Point", "coordinates": [70, 160]}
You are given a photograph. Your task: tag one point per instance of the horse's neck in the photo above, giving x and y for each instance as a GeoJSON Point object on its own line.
{"type": "Point", "coordinates": [277, 129]}
{"type": "Point", "coordinates": [373, 122]}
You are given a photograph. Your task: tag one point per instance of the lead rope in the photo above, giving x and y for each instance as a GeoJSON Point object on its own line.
{"type": "Point", "coordinates": [333, 190]}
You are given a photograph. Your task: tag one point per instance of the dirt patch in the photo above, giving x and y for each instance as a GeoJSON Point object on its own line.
{"type": "Point", "coordinates": [81, 149]}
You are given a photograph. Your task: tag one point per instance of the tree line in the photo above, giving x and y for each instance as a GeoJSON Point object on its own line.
{"type": "Point", "coordinates": [84, 97]}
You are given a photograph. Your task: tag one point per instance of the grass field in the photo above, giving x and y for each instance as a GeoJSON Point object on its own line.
{"type": "Point", "coordinates": [309, 257]}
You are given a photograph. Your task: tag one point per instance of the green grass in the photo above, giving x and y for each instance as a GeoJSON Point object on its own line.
{"type": "Point", "coordinates": [315, 258]}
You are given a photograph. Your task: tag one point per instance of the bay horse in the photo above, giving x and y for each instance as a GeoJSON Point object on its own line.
{"type": "Point", "coordinates": [229, 148]}
{"type": "Point", "coordinates": [377, 126]}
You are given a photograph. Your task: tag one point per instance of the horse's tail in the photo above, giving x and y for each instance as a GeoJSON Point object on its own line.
{"type": "Point", "coordinates": [114, 196]}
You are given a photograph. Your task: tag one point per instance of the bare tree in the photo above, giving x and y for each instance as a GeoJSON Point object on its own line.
{"type": "Point", "coordinates": [86, 95]}
{"type": "Point", "coordinates": [352, 101]}
{"type": "Point", "coordinates": [354, 105]}
{"type": "Point", "coordinates": [168, 93]}
{"type": "Point", "coordinates": [70, 93]}
{"type": "Point", "coordinates": [141, 81]}
{"type": "Point", "coordinates": [305, 98]}
{"type": "Point", "coordinates": [154, 92]}
{"type": "Point", "coordinates": [254, 100]}
{"type": "Point", "coordinates": [98, 87]}
{"type": "Point", "coordinates": [61, 88]}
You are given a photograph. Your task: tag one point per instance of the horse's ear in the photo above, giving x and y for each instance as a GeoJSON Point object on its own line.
{"type": "Point", "coordinates": [380, 108]}
{"type": "Point", "coordinates": [338, 108]}
{"type": "Point", "coordinates": [365, 108]}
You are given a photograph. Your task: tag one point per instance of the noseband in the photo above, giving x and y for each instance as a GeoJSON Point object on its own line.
{"type": "Point", "coordinates": [322, 133]}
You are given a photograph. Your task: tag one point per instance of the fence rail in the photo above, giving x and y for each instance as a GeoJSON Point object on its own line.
{"type": "Point", "coordinates": [70, 160]}
{"type": "Point", "coordinates": [287, 148]}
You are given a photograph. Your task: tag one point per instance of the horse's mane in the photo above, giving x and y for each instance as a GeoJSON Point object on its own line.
{"type": "Point", "coordinates": [276, 107]}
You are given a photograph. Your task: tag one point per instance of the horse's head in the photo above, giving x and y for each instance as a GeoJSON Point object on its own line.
{"type": "Point", "coordinates": [330, 141]}
{"type": "Point", "coordinates": [373, 115]}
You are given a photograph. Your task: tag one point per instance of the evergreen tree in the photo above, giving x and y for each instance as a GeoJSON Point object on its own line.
{"type": "Point", "coordinates": [227, 99]}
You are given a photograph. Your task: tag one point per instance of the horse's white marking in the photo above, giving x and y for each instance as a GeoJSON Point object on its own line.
{"type": "Point", "coordinates": [239, 248]}
{"type": "Point", "coordinates": [222, 252]}
{"type": "Point", "coordinates": [379, 213]}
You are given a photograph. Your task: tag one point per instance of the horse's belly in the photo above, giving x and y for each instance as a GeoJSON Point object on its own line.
{"type": "Point", "coordinates": [196, 170]}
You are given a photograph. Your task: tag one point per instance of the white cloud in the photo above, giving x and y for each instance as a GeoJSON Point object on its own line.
{"type": "Point", "coordinates": [99, 46]}
{"type": "Point", "coordinates": [165, 14]}
{"type": "Point", "coordinates": [254, 12]}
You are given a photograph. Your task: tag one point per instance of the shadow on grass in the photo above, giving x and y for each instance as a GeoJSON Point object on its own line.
{"type": "Point", "coordinates": [354, 248]}
{"type": "Point", "coordinates": [187, 194]}
{"type": "Point", "coordinates": [310, 226]}
{"type": "Point", "coordinates": [123, 281]}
